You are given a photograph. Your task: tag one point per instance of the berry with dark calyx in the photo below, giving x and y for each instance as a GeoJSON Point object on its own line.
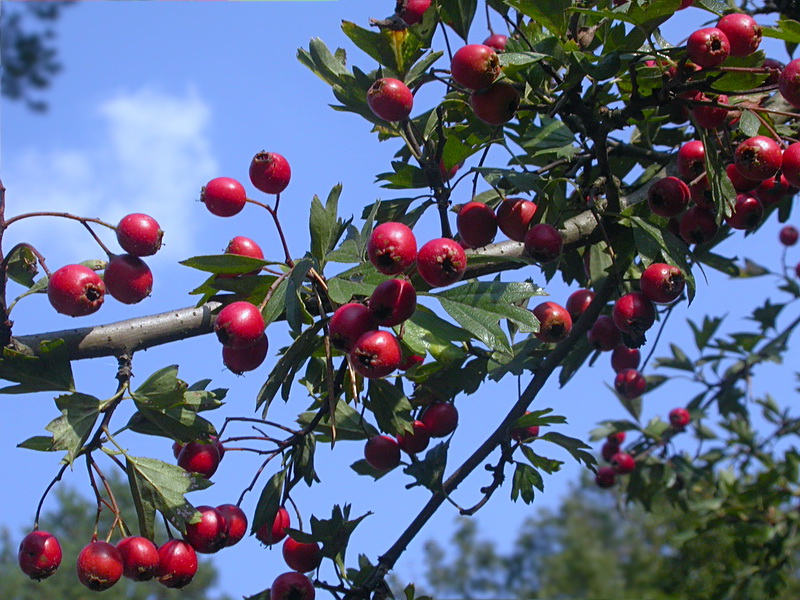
{"type": "Point", "coordinates": [139, 558]}
{"type": "Point", "coordinates": [99, 566]}
{"type": "Point", "coordinates": [578, 302]}
{"type": "Point", "coordinates": [609, 449]}
{"type": "Point", "coordinates": [543, 243]}
{"type": "Point", "coordinates": [292, 586]}
{"type": "Point", "coordinates": [706, 115]}
{"type": "Point", "coordinates": [555, 322]}
{"type": "Point", "coordinates": [497, 41]}
{"type": "Point", "coordinates": [747, 213]}
{"type": "Point", "coordinates": [617, 437]}
{"type": "Point", "coordinates": [441, 262]}
{"type": "Point", "coordinates": [708, 47]}
{"type": "Point", "coordinates": [270, 172]}
{"type": "Point", "coordinates": [605, 478]}
{"type": "Point", "coordinates": [625, 358]}
{"type": "Point", "coordinates": [691, 160]}
{"type": "Point", "coordinates": [223, 196]}
{"type": "Point", "coordinates": [679, 418]}
{"type": "Point", "coordinates": [39, 554]}
{"type": "Point", "coordinates": [210, 534]}
{"type": "Point", "coordinates": [514, 216]}
{"type": "Point", "coordinates": [496, 104]}
{"type": "Point", "coordinates": [393, 302]}
{"type": "Point", "coordinates": [390, 99]}
{"type": "Point", "coordinates": [243, 246]}
{"type": "Point", "coordinates": [75, 290]}
{"type": "Point", "coordinates": [237, 523]}
{"type": "Point", "coordinates": [240, 324]}
{"type": "Point", "coordinates": [630, 383]}
{"type": "Point", "coordinates": [128, 279]}
{"type": "Point", "coordinates": [440, 418]}
{"type": "Point", "coordinates": [634, 314]}
{"type": "Point", "coordinates": [475, 66]}
{"type": "Point", "coordinates": [348, 323]}
{"type": "Point", "coordinates": [177, 564]}
{"type": "Point", "coordinates": [301, 556]}
{"type": "Point", "coordinates": [139, 234]}
{"type": "Point", "coordinates": [622, 463]}
{"type": "Point", "coordinates": [392, 248]}
{"type": "Point", "coordinates": [376, 354]}
{"type": "Point", "coordinates": [274, 533]}
{"type": "Point", "coordinates": [774, 190]}
{"type": "Point", "coordinates": [411, 11]}
{"type": "Point", "coordinates": [477, 224]}
{"type": "Point", "coordinates": [742, 31]}
{"type": "Point", "coordinates": [382, 452]}
{"type": "Point", "coordinates": [789, 235]}
{"type": "Point", "coordinates": [604, 335]}
{"type": "Point", "coordinates": [248, 358]}
{"type": "Point", "coordinates": [197, 457]}
{"type": "Point", "coordinates": [662, 283]}
{"type": "Point", "coordinates": [416, 440]}
{"type": "Point", "coordinates": [668, 196]}
{"type": "Point", "coordinates": [789, 83]}
{"type": "Point", "coordinates": [701, 194]}
{"type": "Point", "coordinates": [740, 182]}
{"type": "Point", "coordinates": [775, 67]}
{"type": "Point", "coordinates": [758, 157]}
{"type": "Point", "coordinates": [523, 434]}
{"type": "Point", "coordinates": [698, 225]}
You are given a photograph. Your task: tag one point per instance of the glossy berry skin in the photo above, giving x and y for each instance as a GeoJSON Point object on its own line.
{"type": "Point", "coordinates": [390, 99]}
{"type": "Point", "coordinates": [606, 477]}
{"type": "Point", "coordinates": [789, 83]}
{"type": "Point", "coordinates": [413, 11]}
{"type": "Point", "coordinates": [239, 325]}
{"type": "Point", "coordinates": [301, 556]}
{"type": "Point", "coordinates": [382, 452]}
{"type": "Point", "coordinates": [270, 172]}
{"type": "Point", "coordinates": [691, 160]}
{"type": "Point", "coordinates": [523, 434]}
{"type": "Point", "coordinates": [416, 440]}
{"type": "Point", "coordinates": [668, 196]}
{"type": "Point", "coordinates": [496, 104]}
{"type": "Point", "coordinates": [514, 217]}
{"type": "Point", "coordinates": [139, 234]}
{"type": "Point", "coordinates": [440, 418]}
{"type": "Point", "coordinates": [99, 566]}
{"type": "Point", "coordinates": [679, 418]}
{"type": "Point", "coordinates": [441, 262]}
{"type": "Point", "coordinates": [39, 554]}
{"type": "Point", "coordinates": [789, 235]}
{"type": "Point", "coordinates": [292, 586]}
{"type": "Point", "coordinates": [139, 558]}
{"type": "Point", "coordinates": [237, 523]}
{"type": "Point", "coordinates": [223, 196]}
{"type": "Point", "coordinates": [758, 157]}
{"type": "Point", "coordinates": [197, 457]}
{"type": "Point", "coordinates": [622, 463]}
{"type": "Point", "coordinates": [609, 449]}
{"type": "Point", "coordinates": [76, 291]}
{"type": "Point", "coordinates": [477, 224]}
{"type": "Point", "coordinates": [625, 358]}
{"type": "Point", "coordinates": [578, 302]}
{"type": "Point", "coordinates": [630, 383]}
{"type": "Point", "coordinates": [376, 354]}
{"type": "Point", "coordinates": [243, 246]}
{"type": "Point", "coordinates": [708, 47]}
{"type": "Point", "coordinates": [604, 335]}
{"type": "Point", "coordinates": [662, 283]}
{"type": "Point", "coordinates": [742, 31]}
{"type": "Point", "coordinates": [410, 361]}
{"type": "Point", "coordinates": [392, 302]}
{"type": "Point", "coordinates": [707, 116]}
{"type": "Point", "coordinates": [774, 190]}
{"type": "Point", "coordinates": [210, 534]}
{"type": "Point", "coordinates": [392, 248]}
{"type": "Point", "coordinates": [128, 279]}
{"type": "Point", "coordinates": [475, 66]}
{"type": "Point", "coordinates": [698, 225]}
{"type": "Point", "coordinates": [747, 213]}
{"type": "Point", "coordinates": [497, 41]}
{"type": "Point", "coordinates": [555, 322]}
{"type": "Point", "coordinates": [543, 243]}
{"type": "Point", "coordinates": [348, 323]}
{"type": "Point", "coordinates": [177, 564]}
{"type": "Point", "coordinates": [739, 181]}
{"type": "Point", "coordinates": [274, 533]}
{"type": "Point", "coordinates": [617, 437]}
{"type": "Point", "coordinates": [791, 164]}
{"type": "Point", "coordinates": [249, 358]}
{"type": "Point", "coordinates": [634, 313]}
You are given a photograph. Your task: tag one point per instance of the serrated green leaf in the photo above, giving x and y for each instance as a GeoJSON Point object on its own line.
{"type": "Point", "coordinates": [427, 333]}
{"type": "Point", "coordinates": [525, 479]}
{"type": "Point", "coordinates": [362, 467]}
{"type": "Point", "coordinates": [22, 265]}
{"type": "Point", "coordinates": [429, 472]}
{"type": "Point", "coordinates": [577, 448]}
{"type": "Point", "coordinates": [548, 465]}
{"type": "Point", "coordinates": [162, 389]}
{"type": "Point", "coordinates": [326, 228]}
{"type": "Point", "coordinates": [70, 431]}
{"type": "Point", "coordinates": [226, 264]}
{"type": "Point", "coordinates": [296, 313]}
{"type": "Point", "coordinates": [48, 371]}
{"type": "Point", "coordinates": [390, 406]}
{"type": "Point", "coordinates": [342, 291]}
{"type": "Point", "coordinates": [459, 15]}
{"type": "Point", "coordinates": [41, 443]}
{"type": "Point", "coordinates": [276, 304]}
{"type": "Point", "coordinates": [481, 323]}
{"type": "Point", "coordinates": [269, 502]}
{"type": "Point", "coordinates": [749, 123]}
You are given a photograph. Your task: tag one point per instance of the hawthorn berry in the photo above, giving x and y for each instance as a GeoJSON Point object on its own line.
{"type": "Point", "coordinates": [617, 437]}
{"type": "Point", "coordinates": [274, 533]}
{"type": "Point", "coordinates": [747, 213]}
{"type": "Point", "coordinates": [475, 66]}
{"type": "Point", "coordinates": [708, 47]}
{"type": "Point", "coordinates": [523, 434]}
{"type": "Point", "coordinates": [210, 534]}
{"type": "Point", "coordinates": [668, 196]}
{"type": "Point", "coordinates": [740, 182]}
{"type": "Point", "coordinates": [604, 334]}
{"type": "Point", "coordinates": [742, 31]}
{"type": "Point", "coordinates": [555, 322]}
{"type": "Point", "coordinates": [223, 196]}
{"type": "Point", "coordinates": [706, 115]}
{"type": "Point", "coordinates": [416, 440]}
{"type": "Point", "coordinates": [39, 554]}
{"type": "Point", "coordinates": [139, 234]}
{"type": "Point", "coordinates": [679, 418]}
{"type": "Point", "coordinates": [270, 172]}
{"type": "Point", "coordinates": [622, 463]}
{"type": "Point", "coordinates": [543, 243]}
{"type": "Point", "coordinates": [375, 354]}
{"type": "Point", "coordinates": [139, 558]}
{"type": "Point", "coordinates": [758, 157]}
{"type": "Point", "coordinates": [248, 358]}
{"type": "Point", "coordinates": [514, 216]}
{"type": "Point", "coordinates": [789, 235]}
{"type": "Point", "coordinates": [128, 279]}
{"type": "Point", "coordinates": [76, 291]}
{"type": "Point", "coordinates": [441, 262]}
{"type": "Point", "coordinates": [774, 68]}
{"type": "Point", "coordinates": [691, 160]}
{"type": "Point", "coordinates": [790, 164]}
{"type": "Point", "coordinates": [606, 477]}
{"type": "Point", "coordinates": [239, 325]}
{"type": "Point", "coordinates": [237, 523]}
{"type": "Point", "coordinates": [99, 566]}
{"type": "Point", "coordinates": [774, 190]}
{"type": "Point", "coordinates": [390, 99]}
{"type": "Point", "coordinates": [630, 383]}
{"type": "Point", "coordinates": [609, 449]}
{"type": "Point", "coordinates": [243, 246]}
{"type": "Point", "coordinates": [392, 248]}
{"type": "Point", "coordinates": [382, 452]}
{"type": "Point", "coordinates": [348, 323]}
{"type": "Point", "coordinates": [497, 41]}
{"type": "Point", "coordinates": [623, 358]}
{"type": "Point", "coordinates": [577, 303]}
{"type": "Point", "coordinates": [698, 225]}
{"type": "Point", "coordinates": [292, 586]}
{"type": "Point", "coordinates": [634, 314]}
{"type": "Point", "coordinates": [301, 556]}
{"type": "Point", "coordinates": [496, 104]}
{"type": "Point", "coordinates": [392, 302]}
{"type": "Point", "coordinates": [412, 11]}
{"type": "Point", "coordinates": [177, 564]}
{"type": "Point", "coordinates": [440, 418]}
{"type": "Point", "coordinates": [477, 224]}
{"type": "Point", "coordinates": [197, 457]}
{"type": "Point", "coordinates": [662, 283]}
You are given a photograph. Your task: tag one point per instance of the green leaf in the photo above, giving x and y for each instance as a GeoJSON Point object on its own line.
{"type": "Point", "coordinates": [226, 264]}
{"type": "Point", "coordinates": [429, 472]}
{"type": "Point", "coordinates": [749, 123]}
{"type": "Point", "coordinates": [41, 443]}
{"type": "Point", "coordinates": [427, 333]}
{"type": "Point", "coordinates": [342, 291]}
{"type": "Point", "coordinates": [548, 465]}
{"type": "Point", "coordinates": [296, 313]}
{"type": "Point", "coordinates": [49, 370]}
{"type": "Point", "coordinates": [577, 448]}
{"type": "Point", "coordinates": [362, 467]}
{"type": "Point", "coordinates": [22, 266]}
{"type": "Point", "coordinates": [481, 323]}
{"type": "Point", "coordinates": [324, 64]}
{"type": "Point", "coordinates": [350, 425]}
{"type": "Point", "coordinates": [303, 458]}
{"type": "Point", "coordinates": [325, 227]}
{"type": "Point", "coordinates": [269, 502]}
{"type": "Point", "coordinates": [525, 479]}
{"type": "Point", "coordinates": [276, 304]}
{"type": "Point", "coordinates": [459, 15]}
{"type": "Point", "coordinates": [390, 406]}
{"type": "Point", "coordinates": [652, 240]}
{"type": "Point", "coordinates": [702, 335]}
{"type": "Point", "coordinates": [551, 14]}
{"type": "Point", "coordinates": [787, 30]}
{"type": "Point", "coordinates": [70, 431]}
{"type": "Point", "coordinates": [539, 418]}
{"type": "Point", "coordinates": [395, 49]}
{"type": "Point", "coordinates": [334, 534]}
{"type": "Point", "coordinates": [162, 389]}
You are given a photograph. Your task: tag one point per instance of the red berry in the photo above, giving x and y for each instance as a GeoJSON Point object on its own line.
{"type": "Point", "coordinates": [496, 104]}
{"type": "Point", "coordinates": [662, 283]}
{"type": "Point", "coordinates": [679, 418]}
{"type": "Point", "coordinates": [758, 157]}
{"type": "Point", "coordinates": [243, 246]}
{"type": "Point", "coordinates": [543, 243]}
{"type": "Point", "coordinates": [139, 558]}
{"type": "Point", "coordinates": [382, 452]}
{"type": "Point", "coordinates": [292, 586]}
{"type": "Point", "coordinates": [139, 234]}
{"type": "Point", "coordinates": [605, 477]}
{"type": "Point", "coordinates": [578, 302]}
{"type": "Point", "coordinates": [197, 457]}
{"type": "Point", "coordinates": [622, 463]}
{"type": "Point", "coordinates": [39, 554]}
{"type": "Point", "coordinates": [300, 556]}
{"type": "Point", "coordinates": [248, 358]}
{"type": "Point", "coordinates": [691, 160]}
{"type": "Point", "coordinates": [497, 41]}
{"type": "Point", "coordinates": [390, 99]}
{"type": "Point", "coordinates": [747, 213]}
{"type": "Point", "coordinates": [99, 566]}
{"type": "Point", "coordinates": [270, 172]}
{"type": "Point", "coordinates": [604, 335]}
{"type": "Point", "coordinates": [223, 196]}
{"type": "Point", "coordinates": [237, 523]}
{"type": "Point", "coordinates": [348, 323]}
{"type": "Point", "coordinates": [789, 235]}
{"type": "Point", "coordinates": [625, 358]}
{"type": "Point", "coordinates": [411, 361]}
{"type": "Point", "coordinates": [742, 31]}
{"type": "Point", "coordinates": [176, 449]}
{"type": "Point", "coordinates": [440, 418]}
{"type": "Point", "coordinates": [514, 217]}
{"type": "Point", "coordinates": [630, 383]}
{"type": "Point", "coordinates": [791, 164]}
{"type": "Point", "coordinates": [477, 224]}
{"type": "Point", "coordinates": [774, 190]}
{"type": "Point", "coordinates": [555, 323]}
{"type": "Point", "coordinates": [668, 196]}
{"type": "Point", "coordinates": [376, 354]}
{"type": "Point", "coordinates": [210, 534]}
{"type": "Point", "coordinates": [441, 262]}
{"type": "Point", "coordinates": [707, 116]}
{"type": "Point", "coordinates": [609, 449]}
{"type": "Point", "coordinates": [413, 10]}
{"type": "Point", "coordinates": [76, 290]}
{"type": "Point", "coordinates": [797, 270]}
{"type": "Point", "coordinates": [128, 279]}
{"type": "Point", "coordinates": [789, 83]}
{"type": "Point", "coordinates": [393, 302]}
{"type": "Point", "coordinates": [774, 67]}
{"type": "Point", "coordinates": [617, 437]}
{"type": "Point", "coordinates": [708, 47]}
{"type": "Point", "coordinates": [177, 564]}
{"type": "Point", "coordinates": [475, 66]}
{"type": "Point", "coordinates": [272, 534]}
{"type": "Point", "coordinates": [239, 325]}
{"type": "Point", "coordinates": [634, 313]}
{"type": "Point", "coordinates": [523, 434]}
{"type": "Point", "coordinates": [698, 225]}
{"type": "Point", "coordinates": [416, 440]}
{"type": "Point", "coordinates": [392, 248]}
{"type": "Point", "coordinates": [739, 181]}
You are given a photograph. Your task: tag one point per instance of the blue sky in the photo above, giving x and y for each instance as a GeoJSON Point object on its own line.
{"type": "Point", "coordinates": [155, 99]}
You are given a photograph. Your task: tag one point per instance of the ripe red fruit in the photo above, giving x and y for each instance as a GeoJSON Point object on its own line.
{"type": "Point", "coordinates": [555, 322]}
{"type": "Point", "coordinates": [139, 558]}
{"type": "Point", "coordinates": [392, 302]}
{"type": "Point", "coordinates": [605, 477]}
{"type": "Point", "coordinates": [496, 104]}
{"type": "Point", "coordinates": [392, 248]}
{"type": "Point", "coordinates": [477, 224]}
{"type": "Point", "coordinates": [76, 290]}
{"type": "Point", "coordinates": [441, 262]}
{"type": "Point", "coordinates": [301, 556]}
{"type": "Point", "coordinates": [630, 383]}
{"type": "Point", "coordinates": [128, 279]}
{"type": "Point", "coordinates": [475, 66]}
{"type": "Point", "coordinates": [604, 335]}
{"type": "Point", "coordinates": [292, 586]}
{"type": "Point", "coordinates": [440, 418]}
{"type": "Point", "coordinates": [416, 440]}
{"type": "Point", "coordinates": [578, 302]}
{"type": "Point", "coordinates": [774, 190]}
{"type": "Point", "coordinates": [742, 31]}
{"type": "Point", "coordinates": [622, 463]}
{"type": "Point", "coordinates": [523, 434]}
{"type": "Point", "coordinates": [679, 418]}
{"type": "Point", "coordinates": [789, 83]}
{"type": "Point", "coordinates": [210, 534]}
{"type": "Point", "coordinates": [617, 437]}
{"type": "Point", "coordinates": [691, 160]}
{"type": "Point", "coordinates": [625, 358]}
{"type": "Point", "coordinates": [758, 157]}
{"type": "Point", "coordinates": [543, 243]}
{"type": "Point", "coordinates": [708, 47]}
{"type": "Point", "coordinates": [243, 246]}
{"type": "Point", "coordinates": [707, 116]}
{"type": "Point", "coordinates": [139, 234]}
{"type": "Point", "coordinates": [411, 361]}
{"type": "Point", "coordinates": [240, 324]}
{"type": "Point", "coordinates": [497, 41]}
{"type": "Point", "coordinates": [99, 566]}
{"type": "Point", "coordinates": [668, 196]}
{"type": "Point", "coordinates": [272, 534]}
{"type": "Point", "coordinates": [270, 172]}
{"type": "Point", "coordinates": [376, 354]}
{"type": "Point", "coordinates": [634, 313]}
{"type": "Point", "coordinates": [411, 11]}
{"type": "Point", "coordinates": [514, 217]}
{"type": "Point", "coordinates": [662, 283]}
{"type": "Point", "coordinates": [789, 235]}
{"type": "Point", "coordinates": [739, 181]}
{"type": "Point", "coordinates": [698, 225]}
{"type": "Point", "coordinates": [390, 99]}
{"type": "Point", "coordinates": [249, 358]}
{"type": "Point", "coordinates": [609, 449]}
{"type": "Point", "coordinates": [177, 564]}
{"type": "Point", "coordinates": [348, 323]}
{"type": "Point", "coordinates": [39, 554]}
{"type": "Point", "coordinates": [197, 457]}
{"type": "Point", "coordinates": [382, 452]}
{"type": "Point", "coordinates": [774, 68]}
{"type": "Point", "coordinates": [747, 213]}
{"type": "Point", "coordinates": [791, 164]}
{"type": "Point", "coordinates": [223, 196]}
{"type": "Point", "coordinates": [237, 523]}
